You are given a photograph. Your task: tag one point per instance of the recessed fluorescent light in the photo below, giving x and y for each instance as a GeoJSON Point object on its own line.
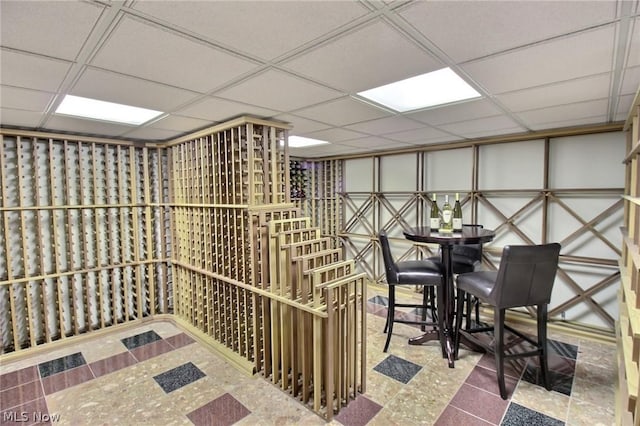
{"type": "Point", "coordinates": [299, 141]}
{"type": "Point", "coordinates": [435, 88]}
{"type": "Point", "coordinates": [105, 111]}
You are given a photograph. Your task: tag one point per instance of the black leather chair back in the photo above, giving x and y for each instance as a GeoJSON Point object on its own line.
{"type": "Point", "coordinates": [526, 275]}
{"type": "Point", "coordinates": [471, 251]}
{"type": "Point", "coordinates": [390, 266]}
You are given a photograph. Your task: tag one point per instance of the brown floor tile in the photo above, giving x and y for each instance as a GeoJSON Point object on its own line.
{"type": "Point", "coordinates": [359, 412]}
{"type": "Point", "coordinates": [111, 364]}
{"type": "Point", "coordinates": [486, 379]}
{"type": "Point", "coordinates": [18, 377]}
{"type": "Point", "coordinates": [150, 350]}
{"type": "Point", "coordinates": [480, 403]}
{"type": "Point", "coordinates": [31, 413]}
{"type": "Point", "coordinates": [179, 340]}
{"type": "Point", "coordinates": [222, 411]}
{"type": "Point", "coordinates": [513, 367]}
{"type": "Point", "coordinates": [453, 416]}
{"type": "Point", "coordinates": [66, 379]}
{"type": "Point", "coordinates": [20, 395]}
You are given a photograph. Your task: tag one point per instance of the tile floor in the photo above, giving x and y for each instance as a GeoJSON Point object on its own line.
{"type": "Point", "coordinates": [157, 375]}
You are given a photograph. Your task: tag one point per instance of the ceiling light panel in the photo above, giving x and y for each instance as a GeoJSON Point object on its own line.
{"type": "Point", "coordinates": [77, 106]}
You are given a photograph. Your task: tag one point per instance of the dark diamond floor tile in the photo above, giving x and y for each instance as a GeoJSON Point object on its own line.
{"type": "Point", "coordinates": [179, 340]}
{"type": "Point", "coordinates": [380, 300]}
{"type": "Point", "coordinates": [178, 377]}
{"type": "Point", "coordinates": [452, 416]}
{"type": "Point", "coordinates": [18, 377]}
{"type": "Point", "coordinates": [20, 395]}
{"type": "Point", "coordinates": [61, 364]}
{"type": "Point", "coordinates": [398, 368]}
{"type": "Point", "coordinates": [222, 411]}
{"type": "Point", "coordinates": [358, 412]}
{"type": "Point", "coordinates": [153, 349]}
{"type": "Point", "coordinates": [113, 363]}
{"type": "Point", "coordinates": [133, 342]}
{"type": "Point", "coordinates": [66, 379]}
{"type": "Point", "coordinates": [566, 350]}
{"type": "Point", "coordinates": [561, 383]}
{"type": "Point", "coordinates": [557, 363]}
{"type": "Point", "coordinates": [517, 415]}
{"type": "Point", "coordinates": [479, 403]}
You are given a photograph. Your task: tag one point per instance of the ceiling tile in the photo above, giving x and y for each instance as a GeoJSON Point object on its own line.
{"type": "Point", "coordinates": [78, 125]}
{"type": "Point", "coordinates": [148, 52]}
{"type": "Point", "coordinates": [582, 89]}
{"type": "Point", "coordinates": [129, 90]}
{"type": "Point", "coordinates": [301, 125]}
{"type": "Point", "coordinates": [598, 119]}
{"type": "Point", "coordinates": [279, 91]}
{"type": "Point", "coordinates": [342, 112]}
{"type": "Point", "coordinates": [334, 135]}
{"type": "Point", "coordinates": [24, 70]}
{"type": "Point", "coordinates": [216, 109]}
{"type": "Point", "coordinates": [630, 81]}
{"type": "Point", "coordinates": [19, 118]}
{"type": "Point", "coordinates": [624, 107]}
{"type": "Point", "coordinates": [422, 135]}
{"type": "Point", "coordinates": [374, 143]}
{"type": "Point", "coordinates": [180, 124]}
{"type": "Point", "coordinates": [579, 55]}
{"type": "Point", "coordinates": [331, 149]}
{"type": "Point", "coordinates": [481, 127]}
{"type": "Point", "coordinates": [467, 110]}
{"type": "Point", "coordinates": [345, 62]}
{"type": "Point", "coordinates": [386, 125]}
{"type": "Point", "coordinates": [246, 26]}
{"type": "Point", "coordinates": [31, 100]}
{"type": "Point", "coordinates": [634, 45]}
{"type": "Point", "coordinates": [565, 113]}
{"type": "Point", "coordinates": [472, 29]}
{"type": "Point", "coordinates": [38, 26]}
{"type": "Point", "coordinates": [152, 134]}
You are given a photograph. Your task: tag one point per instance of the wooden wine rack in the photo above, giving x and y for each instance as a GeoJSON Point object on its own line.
{"type": "Point", "coordinates": [628, 325]}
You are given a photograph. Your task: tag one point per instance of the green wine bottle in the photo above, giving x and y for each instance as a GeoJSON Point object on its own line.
{"type": "Point", "coordinates": [434, 221]}
{"type": "Point", "coordinates": [457, 215]}
{"type": "Point", "coordinates": [446, 225]}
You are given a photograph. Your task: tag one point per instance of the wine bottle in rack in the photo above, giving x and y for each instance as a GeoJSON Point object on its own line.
{"type": "Point", "coordinates": [446, 225]}
{"type": "Point", "coordinates": [434, 221]}
{"type": "Point", "coordinates": [457, 215]}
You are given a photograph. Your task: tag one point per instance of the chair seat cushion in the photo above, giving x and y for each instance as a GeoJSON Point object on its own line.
{"type": "Point", "coordinates": [478, 283]}
{"type": "Point", "coordinates": [419, 272]}
{"type": "Point", "coordinates": [460, 264]}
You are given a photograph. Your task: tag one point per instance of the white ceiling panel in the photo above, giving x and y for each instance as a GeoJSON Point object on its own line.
{"type": "Point", "coordinates": [152, 133]}
{"type": "Point", "coordinates": [266, 29]}
{"type": "Point", "coordinates": [467, 110]}
{"type": "Point", "coordinates": [302, 125]}
{"type": "Point", "coordinates": [31, 100]}
{"type": "Point", "coordinates": [19, 118]}
{"type": "Point", "coordinates": [483, 126]}
{"type": "Point", "coordinates": [348, 62]}
{"type": "Point", "coordinates": [129, 90]}
{"type": "Point", "coordinates": [634, 44]}
{"type": "Point", "coordinates": [574, 56]}
{"type": "Point", "coordinates": [386, 125]}
{"type": "Point", "coordinates": [422, 135]}
{"type": "Point", "coordinates": [374, 142]}
{"type": "Point", "coordinates": [467, 30]}
{"type": "Point", "coordinates": [565, 113]}
{"type": "Point", "coordinates": [279, 91]}
{"type": "Point", "coordinates": [630, 81]}
{"type": "Point", "coordinates": [149, 52]}
{"type": "Point", "coordinates": [577, 90]}
{"type": "Point", "coordinates": [216, 109]}
{"type": "Point", "coordinates": [554, 124]}
{"type": "Point", "coordinates": [42, 32]}
{"type": "Point", "coordinates": [32, 72]}
{"type": "Point", "coordinates": [335, 134]}
{"type": "Point", "coordinates": [179, 123]}
{"type": "Point", "coordinates": [91, 127]}
{"type": "Point", "coordinates": [342, 111]}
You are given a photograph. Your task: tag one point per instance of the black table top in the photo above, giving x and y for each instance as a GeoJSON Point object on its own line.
{"type": "Point", "coordinates": [469, 235]}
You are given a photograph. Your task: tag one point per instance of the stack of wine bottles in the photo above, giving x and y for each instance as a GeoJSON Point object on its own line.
{"type": "Point", "coordinates": [447, 219]}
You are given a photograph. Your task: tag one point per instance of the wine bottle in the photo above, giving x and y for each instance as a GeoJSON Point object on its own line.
{"type": "Point", "coordinates": [457, 215]}
{"type": "Point", "coordinates": [434, 221]}
{"type": "Point", "coordinates": [446, 225]}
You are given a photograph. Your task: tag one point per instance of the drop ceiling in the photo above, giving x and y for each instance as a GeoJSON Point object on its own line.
{"type": "Point", "coordinates": [538, 65]}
